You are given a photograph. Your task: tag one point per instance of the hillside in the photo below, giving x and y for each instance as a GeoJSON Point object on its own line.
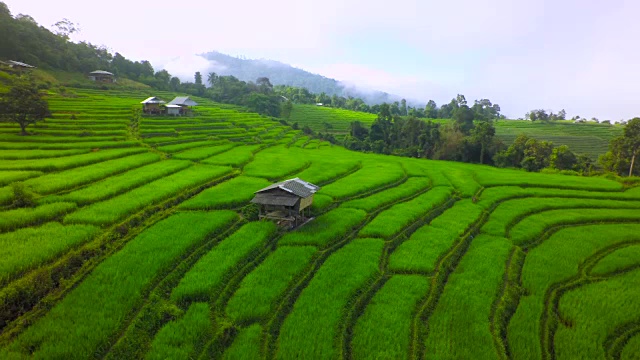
{"type": "Point", "coordinates": [137, 247]}
{"type": "Point", "coordinates": [583, 138]}
{"type": "Point", "coordinates": [284, 74]}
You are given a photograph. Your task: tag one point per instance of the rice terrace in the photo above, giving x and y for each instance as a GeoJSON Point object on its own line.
{"type": "Point", "coordinates": [144, 220]}
{"type": "Point", "coordinates": [136, 247]}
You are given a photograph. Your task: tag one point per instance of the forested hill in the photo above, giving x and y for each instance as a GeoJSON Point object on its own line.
{"type": "Point", "coordinates": [284, 74]}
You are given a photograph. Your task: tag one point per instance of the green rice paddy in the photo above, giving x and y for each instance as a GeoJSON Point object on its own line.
{"type": "Point", "coordinates": [130, 242]}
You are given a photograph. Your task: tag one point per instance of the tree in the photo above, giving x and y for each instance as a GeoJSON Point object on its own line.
{"type": "Point", "coordinates": [65, 27]}
{"type": "Point", "coordinates": [632, 140]}
{"type": "Point", "coordinates": [483, 134]}
{"type": "Point", "coordinates": [562, 158]}
{"type": "Point", "coordinates": [212, 79]}
{"type": "Point", "coordinates": [198, 78]}
{"type": "Point", "coordinates": [23, 104]}
{"type": "Point", "coordinates": [431, 110]}
{"type": "Point", "coordinates": [403, 107]}
{"type": "Point", "coordinates": [463, 117]}
{"type": "Point", "coordinates": [357, 130]}
{"type": "Point", "coordinates": [285, 112]}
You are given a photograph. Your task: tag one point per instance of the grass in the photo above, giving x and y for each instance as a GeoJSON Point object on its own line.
{"type": "Point", "coordinates": [620, 259]}
{"type": "Point", "coordinates": [13, 219]}
{"type": "Point", "coordinates": [326, 228]}
{"type": "Point", "coordinates": [556, 259]}
{"type": "Point", "coordinates": [396, 218]}
{"type": "Point", "coordinates": [373, 202]}
{"type": "Point", "coordinates": [322, 171]}
{"type": "Point", "coordinates": [259, 291]}
{"type": "Point", "coordinates": [595, 311]}
{"type": "Point", "coordinates": [275, 163]}
{"type": "Point", "coordinates": [181, 338]}
{"type": "Point", "coordinates": [201, 153]}
{"type": "Point", "coordinates": [384, 330]}
{"type": "Point", "coordinates": [494, 195]}
{"type": "Point", "coordinates": [210, 271]}
{"type": "Point", "coordinates": [174, 148]}
{"type": "Point", "coordinates": [373, 175]}
{"type": "Point", "coordinates": [529, 229]}
{"type": "Point", "coordinates": [61, 145]}
{"type": "Point", "coordinates": [118, 184]}
{"type": "Point", "coordinates": [67, 162]}
{"type": "Point", "coordinates": [39, 154]}
{"type": "Point", "coordinates": [310, 330]}
{"type": "Point", "coordinates": [430, 242]}
{"type": "Point", "coordinates": [7, 177]}
{"type": "Point", "coordinates": [509, 212]}
{"type": "Point", "coordinates": [66, 180]}
{"type": "Point", "coordinates": [459, 325]}
{"type": "Point", "coordinates": [630, 351]}
{"type": "Point", "coordinates": [237, 156]}
{"type": "Point", "coordinates": [246, 345]}
{"type": "Point", "coordinates": [488, 176]}
{"type": "Point", "coordinates": [98, 307]}
{"type": "Point", "coordinates": [235, 192]}
{"type": "Point", "coordinates": [27, 248]}
{"type": "Point", "coordinates": [109, 211]}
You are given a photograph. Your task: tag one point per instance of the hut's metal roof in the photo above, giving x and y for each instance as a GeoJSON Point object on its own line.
{"type": "Point", "coordinates": [18, 63]}
{"type": "Point", "coordinates": [152, 100]}
{"type": "Point", "coordinates": [183, 100]}
{"type": "Point", "coordinates": [100, 72]}
{"type": "Point", "coordinates": [274, 199]}
{"type": "Point", "coordinates": [294, 186]}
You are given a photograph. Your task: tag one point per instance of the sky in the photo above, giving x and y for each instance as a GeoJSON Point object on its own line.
{"type": "Point", "coordinates": [581, 56]}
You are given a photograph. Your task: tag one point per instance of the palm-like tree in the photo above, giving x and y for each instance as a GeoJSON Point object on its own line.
{"type": "Point", "coordinates": [212, 79]}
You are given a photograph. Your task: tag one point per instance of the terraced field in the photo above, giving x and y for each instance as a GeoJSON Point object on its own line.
{"type": "Point", "coordinates": [586, 138]}
{"type": "Point", "coordinates": [136, 248]}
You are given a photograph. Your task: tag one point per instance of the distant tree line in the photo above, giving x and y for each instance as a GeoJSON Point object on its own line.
{"type": "Point", "coordinates": [470, 137]}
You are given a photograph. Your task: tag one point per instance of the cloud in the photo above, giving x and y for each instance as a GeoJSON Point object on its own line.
{"type": "Point", "coordinates": [525, 54]}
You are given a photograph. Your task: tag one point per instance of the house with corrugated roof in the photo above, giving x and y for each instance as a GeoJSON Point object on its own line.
{"type": "Point", "coordinates": [286, 201]}
{"type": "Point", "coordinates": [152, 105]}
{"type": "Point", "coordinates": [102, 76]}
{"type": "Point", "coordinates": [184, 102]}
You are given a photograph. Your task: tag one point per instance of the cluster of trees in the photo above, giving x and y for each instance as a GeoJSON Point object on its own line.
{"type": "Point", "coordinates": [460, 140]}
{"type": "Point", "coordinates": [482, 109]}
{"type": "Point", "coordinates": [535, 155]}
{"type": "Point", "coordinates": [542, 115]}
{"type": "Point", "coordinates": [623, 151]}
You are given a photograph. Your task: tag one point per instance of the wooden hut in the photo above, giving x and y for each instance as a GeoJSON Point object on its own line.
{"type": "Point", "coordinates": [184, 102]}
{"type": "Point", "coordinates": [151, 105]}
{"type": "Point", "coordinates": [286, 201]}
{"type": "Point", "coordinates": [102, 76]}
{"type": "Point", "coordinates": [17, 66]}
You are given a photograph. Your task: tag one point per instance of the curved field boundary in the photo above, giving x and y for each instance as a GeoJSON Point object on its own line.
{"type": "Point", "coordinates": [508, 302]}
{"type": "Point", "coordinates": [28, 298]}
{"type": "Point", "coordinates": [360, 303]}
{"type": "Point", "coordinates": [616, 343]}
{"type": "Point", "coordinates": [551, 316]}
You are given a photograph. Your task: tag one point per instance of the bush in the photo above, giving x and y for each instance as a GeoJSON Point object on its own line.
{"type": "Point", "coordinates": [250, 212]}
{"type": "Point", "coordinates": [22, 196]}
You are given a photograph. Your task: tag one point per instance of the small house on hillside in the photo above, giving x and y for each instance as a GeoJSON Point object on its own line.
{"type": "Point", "coordinates": [173, 110]}
{"type": "Point", "coordinates": [102, 76]}
{"type": "Point", "coordinates": [151, 105]}
{"type": "Point", "coordinates": [17, 65]}
{"type": "Point", "coordinates": [286, 201]}
{"type": "Point", "coordinates": [184, 102]}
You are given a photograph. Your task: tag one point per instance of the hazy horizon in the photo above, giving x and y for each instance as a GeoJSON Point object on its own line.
{"type": "Point", "coordinates": [574, 55]}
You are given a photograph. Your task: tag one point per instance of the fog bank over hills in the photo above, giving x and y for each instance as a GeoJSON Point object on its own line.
{"type": "Point", "coordinates": [278, 73]}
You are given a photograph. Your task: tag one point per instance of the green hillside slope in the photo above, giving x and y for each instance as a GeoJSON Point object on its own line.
{"type": "Point", "coordinates": [138, 246]}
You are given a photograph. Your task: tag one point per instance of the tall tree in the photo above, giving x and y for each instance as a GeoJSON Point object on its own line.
{"type": "Point", "coordinates": [212, 79]}
{"type": "Point", "coordinates": [23, 104]}
{"type": "Point", "coordinates": [632, 140]}
{"type": "Point", "coordinates": [483, 134]}
{"type": "Point", "coordinates": [198, 78]}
